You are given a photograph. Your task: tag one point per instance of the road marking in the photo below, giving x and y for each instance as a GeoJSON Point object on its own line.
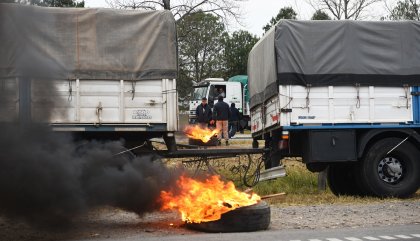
{"type": "Point", "coordinates": [416, 235]}
{"type": "Point", "coordinates": [315, 240]}
{"type": "Point", "coordinates": [370, 238]}
{"type": "Point", "coordinates": [387, 237]}
{"type": "Point", "coordinates": [403, 236]}
{"type": "Point", "coordinates": [333, 239]}
{"type": "Point", "coordinates": [352, 239]}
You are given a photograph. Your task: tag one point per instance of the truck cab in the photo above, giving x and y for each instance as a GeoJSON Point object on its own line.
{"type": "Point", "coordinates": [210, 88]}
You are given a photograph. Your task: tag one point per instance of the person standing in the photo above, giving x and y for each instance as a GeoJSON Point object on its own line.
{"type": "Point", "coordinates": [233, 120]}
{"type": "Point", "coordinates": [221, 114]}
{"type": "Point", "coordinates": [203, 113]}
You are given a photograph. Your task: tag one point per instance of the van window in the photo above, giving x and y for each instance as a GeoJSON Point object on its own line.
{"type": "Point", "coordinates": [199, 92]}
{"type": "Point", "coordinates": [219, 89]}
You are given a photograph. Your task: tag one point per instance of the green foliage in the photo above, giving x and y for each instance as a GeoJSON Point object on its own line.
{"type": "Point", "coordinates": [200, 38]}
{"type": "Point", "coordinates": [58, 3]}
{"type": "Point", "coordinates": [320, 15]}
{"type": "Point", "coordinates": [284, 13]}
{"type": "Point", "coordinates": [406, 10]}
{"type": "Point", "coordinates": [207, 50]}
{"type": "Point", "coordinates": [236, 49]}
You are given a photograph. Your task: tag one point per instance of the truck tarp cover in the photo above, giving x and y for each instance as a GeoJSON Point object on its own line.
{"type": "Point", "coordinates": [64, 43]}
{"type": "Point", "coordinates": [334, 53]}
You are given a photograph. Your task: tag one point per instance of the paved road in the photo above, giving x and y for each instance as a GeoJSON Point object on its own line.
{"type": "Point", "coordinates": [388, 233]}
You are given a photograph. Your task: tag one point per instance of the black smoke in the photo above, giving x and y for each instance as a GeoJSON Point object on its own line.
{"type": "Point", "coordinates": [46, 178]}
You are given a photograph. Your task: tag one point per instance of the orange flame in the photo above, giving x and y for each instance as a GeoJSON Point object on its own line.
{"type": "Point", "coordinates": [203, 134]}
{"type": "Point", "coordinates": [205, 201]}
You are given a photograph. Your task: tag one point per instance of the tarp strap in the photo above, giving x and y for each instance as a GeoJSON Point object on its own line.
{"type": "Point", "coordinates": [70, 98]}
{"type": "Point", "coordinates": [133, 89]}
{"type": "Point", "coordinates": [308, 101]}
{"type": "Point", "coordinates": [407, 93]}
{"type": "Point", "coordinates": [358, 96]}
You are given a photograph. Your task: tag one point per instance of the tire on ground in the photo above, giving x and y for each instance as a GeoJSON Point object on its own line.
{"type": "Point", "coordinates": [342, 180]}
{"type": "Point", "coordinates": [246, 219]}
{"type": "Point", "coordinates": [213, 142]}
{"type": "Point", "coordinates": [409, 157]}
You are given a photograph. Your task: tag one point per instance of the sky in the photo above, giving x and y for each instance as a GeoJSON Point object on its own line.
{"type": "Point", "coordinates": [257, 13]}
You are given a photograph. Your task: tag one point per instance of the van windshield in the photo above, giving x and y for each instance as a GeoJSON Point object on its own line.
{"type": "Point", "coordinates": [199, 92]}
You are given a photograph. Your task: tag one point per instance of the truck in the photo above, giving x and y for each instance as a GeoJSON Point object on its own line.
{"type": "Point", "coordinates": [236, 90]}
{"type": "Point", "coordinates": [95, 73]}
{"type": "Point", "coordinates": [102, 74]}
{"type": "Point", "coordinates": [345, 97]}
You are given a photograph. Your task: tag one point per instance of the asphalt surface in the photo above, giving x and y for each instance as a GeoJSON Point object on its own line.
{"type": "Point", "coordinates": [385, 233]}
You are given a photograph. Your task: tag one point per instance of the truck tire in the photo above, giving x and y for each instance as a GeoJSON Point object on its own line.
{"type": "Point", "coordinates": [245, 219]}
{"type": "Point", "coordinates": [342, 180]}
{"type": "Point", "coordinates": [273, 158]}
{"type": "Point", "coordinates": [396, 174]}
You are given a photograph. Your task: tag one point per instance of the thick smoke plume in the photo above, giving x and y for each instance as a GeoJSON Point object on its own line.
{"type": "Point", "coordinates": [46, 178]}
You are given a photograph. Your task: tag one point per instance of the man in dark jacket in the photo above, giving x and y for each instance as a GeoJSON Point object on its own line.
{"type": "Point", "coordinates": [233, 120]}
{"type": "Point", "coordinates": [221, 114]}
{"type": "Point", "coordinates": [203, 113]}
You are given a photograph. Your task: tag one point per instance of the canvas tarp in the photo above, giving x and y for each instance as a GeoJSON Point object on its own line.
{"type": "Point", "coordinates": [69, 43]}
{"type": "Point", "coordinates": [323, 53]}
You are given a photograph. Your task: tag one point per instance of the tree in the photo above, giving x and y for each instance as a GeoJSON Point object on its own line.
{"type": "Point", "coordinates": [200, 38]}
{"type": "Point", "coordinates": [236, 50]}
{"type": "Point", "coordinates": [284, 13]}
{"type": "Point", "coordinates": [320, 15]}
{"type": "Point", "coordinates": [60, 3]}
{"type": "Point", "coordinates": [224, 9]}
{"type": "Point", "coordinates": [344, 9]}
{"type": "Point", "coordinates": [405, 10]}
{"type": "Point", "coordinates": [52, 3]}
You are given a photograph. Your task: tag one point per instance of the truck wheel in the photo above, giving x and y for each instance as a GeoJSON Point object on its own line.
{"type": "Point", "coordinates": [254, 143]}
{"type": "Point", "coordinates": [396, 174]}
{"type": "Point", "coordinates": [170, 142]}
{"type": "Point", "coordinates": [273, 158]}
{"type": "Point", "coordinates": [341, 179]}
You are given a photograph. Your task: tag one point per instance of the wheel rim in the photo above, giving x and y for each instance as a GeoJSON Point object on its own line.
{"type": "Point", "coordinates": [390, 170]}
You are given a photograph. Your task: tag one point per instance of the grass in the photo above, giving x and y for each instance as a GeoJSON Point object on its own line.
{"type": "Point", "coordinates": [301, 188]}
{"type": "Point", "coordinates": [300, 185]}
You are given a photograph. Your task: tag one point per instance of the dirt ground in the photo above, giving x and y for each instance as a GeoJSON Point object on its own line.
{"type": "Point", "coordinates": [113, 223]}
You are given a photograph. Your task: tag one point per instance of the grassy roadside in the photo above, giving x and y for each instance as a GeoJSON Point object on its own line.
{"type": "Point", "coordinates": [300, 186]}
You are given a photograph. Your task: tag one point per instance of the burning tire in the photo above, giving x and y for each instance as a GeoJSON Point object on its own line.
{"type": "Point", "coordinates": [213, 142]}
{"type": "Point", "coordinates": [245, 219]}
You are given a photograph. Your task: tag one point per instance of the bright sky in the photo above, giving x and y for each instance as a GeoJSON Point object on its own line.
{"type": "Point", "coordinates": [257, 13]}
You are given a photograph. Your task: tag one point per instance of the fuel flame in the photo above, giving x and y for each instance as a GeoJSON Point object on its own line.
{"type": "Point", "coordinates": [198, 133]}
{"type": "Point", "coordinates": [205, 201]}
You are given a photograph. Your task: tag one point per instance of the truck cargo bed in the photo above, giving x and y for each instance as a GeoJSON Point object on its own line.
{"type": "Point", "coordinates": [309, 107]}
{"type": "Point", "coordinates": [72, 105]}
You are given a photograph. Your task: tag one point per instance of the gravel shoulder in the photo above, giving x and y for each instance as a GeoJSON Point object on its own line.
{"type": "Point", "coordinates": [110, 223]}
{"type": "Point", "coordinates": [345, 215]}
